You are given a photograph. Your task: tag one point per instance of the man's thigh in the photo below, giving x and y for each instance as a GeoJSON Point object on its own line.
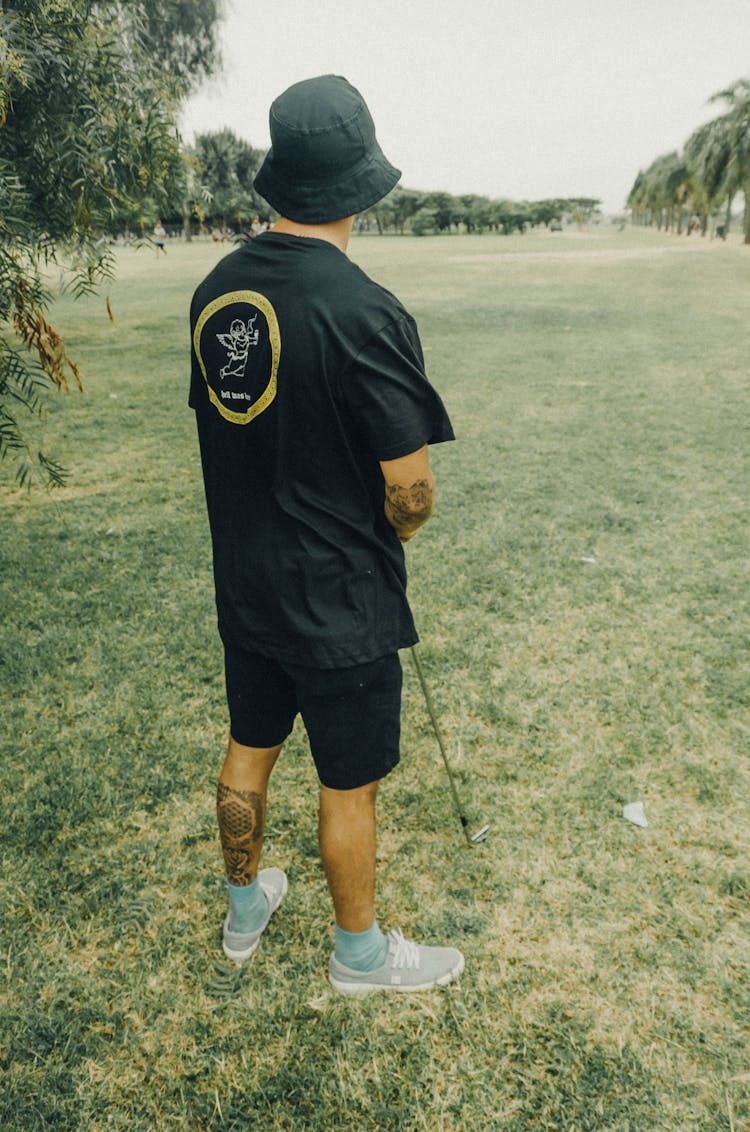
{"type": "Point", "coordinates": [261, 698]}
{"type": "Point", "coordinates": [353, 720]}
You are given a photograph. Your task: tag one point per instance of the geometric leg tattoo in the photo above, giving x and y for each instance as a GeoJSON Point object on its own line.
{"type": "Point", "coordinates": [240, 814]}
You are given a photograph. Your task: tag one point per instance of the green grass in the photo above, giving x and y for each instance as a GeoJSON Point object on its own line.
{"type": "Point", "coordinates": [583, 600]}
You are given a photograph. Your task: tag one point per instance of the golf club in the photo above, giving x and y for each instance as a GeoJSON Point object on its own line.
{"type": "Point", "coordinates": [481, 834]}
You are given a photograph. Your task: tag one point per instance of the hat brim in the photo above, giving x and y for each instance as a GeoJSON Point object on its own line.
{"type": "Point", "coordinates": [325, 202]}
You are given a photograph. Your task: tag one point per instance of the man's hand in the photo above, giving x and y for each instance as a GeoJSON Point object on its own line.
{"type": "Point", "coordinates": [409, 492]}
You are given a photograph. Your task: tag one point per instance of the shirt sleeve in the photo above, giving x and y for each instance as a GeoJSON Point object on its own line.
{"type": "Point", "coordinates": [387, 394]}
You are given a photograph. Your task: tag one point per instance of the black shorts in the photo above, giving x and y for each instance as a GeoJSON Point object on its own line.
{"type": "Point", "coordinates": [352, 715]}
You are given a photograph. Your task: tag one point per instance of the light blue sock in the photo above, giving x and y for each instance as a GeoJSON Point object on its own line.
{"type": "Point", "coordinates": [362, 951]}
{"type": "Point", "coordinates": [248, 907]}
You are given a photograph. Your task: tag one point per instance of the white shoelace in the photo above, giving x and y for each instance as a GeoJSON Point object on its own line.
{"type": "Point", "coordinates": [404, 951]}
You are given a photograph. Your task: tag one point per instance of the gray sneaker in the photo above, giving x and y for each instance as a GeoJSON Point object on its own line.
{"type": "Point", "coordinates": [408, 967]}
{"type": "Point", "coordinates": [241, 945]}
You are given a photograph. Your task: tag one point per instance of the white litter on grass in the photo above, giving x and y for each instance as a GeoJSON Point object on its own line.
{"type": "Point", "coordinates": [322, 1002]}
{"type": "Point", "coordinates": [635, 813]}
{"type": "Point", "coordinates": [588, 560]}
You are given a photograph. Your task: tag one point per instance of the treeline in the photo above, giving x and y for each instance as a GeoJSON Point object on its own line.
{"type": "Point", "coordinates": [216, 191]}
{"type": "Point", "coordinates": [688, 190]}
{"type": "Point", "coordinates": [405, 210]}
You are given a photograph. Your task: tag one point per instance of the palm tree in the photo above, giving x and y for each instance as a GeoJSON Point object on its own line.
{"type": "Point", "coordinates": [659, 192]}
{"type": "Point", "coordinates": [681, 189]}
{"type": "Point", "coordinates": [737, 121]}
{"type": "Point", "coordinates": [709, 153]}
{"type": "Point", "coordinates": [225, 166]}
{"type": "Point", "coordinates": [638, 202]}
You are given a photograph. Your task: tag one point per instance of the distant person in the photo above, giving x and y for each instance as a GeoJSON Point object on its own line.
{"type": "Point", "coordinates": [160, 236]}
{"type": "Point", "coordinates": [314, 415]}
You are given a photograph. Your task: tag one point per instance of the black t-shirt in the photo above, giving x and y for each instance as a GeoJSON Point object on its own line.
{"type": "Point", "coordinates": [306, 373]}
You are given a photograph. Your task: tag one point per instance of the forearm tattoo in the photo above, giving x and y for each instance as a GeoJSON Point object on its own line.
{"type": "Point", "coordinates": [409, 505]}
{"type": "Point", "coordinates": [240, 814]}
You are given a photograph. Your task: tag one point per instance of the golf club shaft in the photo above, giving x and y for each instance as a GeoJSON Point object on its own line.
{"type": "Point", "coordinates": [441, 745]}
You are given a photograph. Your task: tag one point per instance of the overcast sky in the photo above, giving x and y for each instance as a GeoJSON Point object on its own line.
{"type": "Point", "coordinates": [518, 98]}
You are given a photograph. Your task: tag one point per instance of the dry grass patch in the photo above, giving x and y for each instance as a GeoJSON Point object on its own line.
{"type": "Point", "coordinates": [583, 604]}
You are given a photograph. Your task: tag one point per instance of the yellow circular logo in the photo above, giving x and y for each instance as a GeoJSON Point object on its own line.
{"type": "Point", "coordinates": [238, 346]}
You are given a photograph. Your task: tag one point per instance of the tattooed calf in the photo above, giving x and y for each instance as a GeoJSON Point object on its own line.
{"type": "Point", "coordinates": [240, 814]}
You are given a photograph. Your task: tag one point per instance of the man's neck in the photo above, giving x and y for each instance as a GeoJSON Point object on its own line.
{"type": "Point", "coordinates": [337, 233]}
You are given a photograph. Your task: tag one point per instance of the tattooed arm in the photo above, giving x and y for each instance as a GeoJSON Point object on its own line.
{"type": "Point", "coordinates": [409, 492]}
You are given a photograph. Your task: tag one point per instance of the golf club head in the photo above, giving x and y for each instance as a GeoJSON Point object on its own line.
{"type": "Point", "coordinates": [480, 835]}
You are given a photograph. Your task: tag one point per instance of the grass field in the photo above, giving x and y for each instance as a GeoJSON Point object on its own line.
{"type": "Point", "coordinates": [582, 594]}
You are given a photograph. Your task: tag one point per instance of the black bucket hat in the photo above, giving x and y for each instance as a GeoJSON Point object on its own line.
{"type": "Point", "coordinates": [324, 162]}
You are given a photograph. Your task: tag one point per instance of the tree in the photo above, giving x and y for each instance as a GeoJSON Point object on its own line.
{"type": "Point", "coordinates": [659, 192]}
{"type": "Point", "coordinates": [180, 35]}
{"type": "Point", "coordinates": [443, 207]}
{"type": "Point", "coordinates": [395, 210]}
{"type": "Point", "coordinates": [545, 211]}
{"type": "Point", "coordinates": [583, 209]}
{"type": "Point", "coordinates": [737, 125]}
{"type": "Point", "coordinates": [709, 153]}
{"type": "Point", "coordinates": [714, 167]}
{"type": "Point", "coordinates": [424, 221]}
{"type": "Point", "coordinates": [404, 203]}
{"type": "Point", "coordinates": [89, 94]}
{"type": "Point", "coordinates": [382, 213]}
{"type": "Point", "coordinates": [510, 215]}
{"type": "Point", "coordinates": [472, 211]}
{"type": "Point", "coordinates": [225, 167]}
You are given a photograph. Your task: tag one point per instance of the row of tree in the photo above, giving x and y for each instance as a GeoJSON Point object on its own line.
{"type": "Point", "coordinates": [683, 190]}
{"type": "Point", "coordinates": [216, 191]}
{"type": "Point", "coordinates": [425, 213]}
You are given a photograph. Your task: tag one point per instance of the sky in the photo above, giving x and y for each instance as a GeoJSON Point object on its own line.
{"type": "Point", "coordinates": [525, 99]}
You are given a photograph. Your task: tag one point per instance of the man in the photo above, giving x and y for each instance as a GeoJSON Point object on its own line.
{"type": "Point", "coordinates": [314, 415]}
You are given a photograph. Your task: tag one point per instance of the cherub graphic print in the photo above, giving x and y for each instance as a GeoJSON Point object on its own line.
{"type": "Point", "coordinates": [238, 346]}
{"type": "Point", "coordinates": [238, 342]}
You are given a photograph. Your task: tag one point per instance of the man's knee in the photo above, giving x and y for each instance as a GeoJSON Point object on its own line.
{"type": "Point", "coordinates": [360, 797]}
{"type": "Point", "coordinates": [237, 750]}
{"type": "Point", "coordinates": [244, 765]}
